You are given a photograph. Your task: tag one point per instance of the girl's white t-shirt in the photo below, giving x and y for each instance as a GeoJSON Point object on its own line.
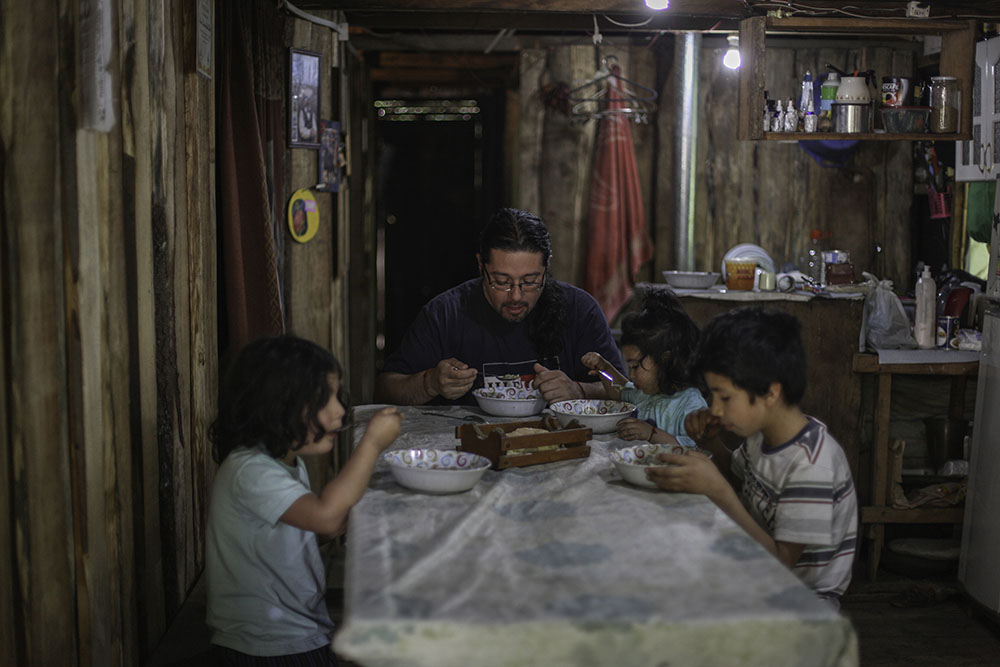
{"type": "Point", "coordinates": [266, 579]}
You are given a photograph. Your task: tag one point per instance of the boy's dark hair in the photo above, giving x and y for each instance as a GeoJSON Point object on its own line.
{"type": "Point", "coordinates": [271, 393]}
{"type": "Point", "coordinates": [754, 347]}
{"type": "Point", "coordinates": [662, 331]}
{"type": "Point", "coordinates": [514, 230]}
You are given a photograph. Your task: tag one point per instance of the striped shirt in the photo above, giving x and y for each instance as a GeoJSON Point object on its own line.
{"type": "Point", "coordinates": [802, 492]}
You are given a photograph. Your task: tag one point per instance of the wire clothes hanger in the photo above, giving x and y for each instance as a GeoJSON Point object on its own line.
{"type": "Point", "coordinates": [608, 93]}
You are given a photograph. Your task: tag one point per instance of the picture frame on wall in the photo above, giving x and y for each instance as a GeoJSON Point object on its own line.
{"type": "Point", "coordinates": [303, 98]}
{"type": "Point", "coordinates": [329, 156]}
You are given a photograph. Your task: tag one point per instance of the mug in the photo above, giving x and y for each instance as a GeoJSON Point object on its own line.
{"type": "Point", "coordinates": [764, 281]}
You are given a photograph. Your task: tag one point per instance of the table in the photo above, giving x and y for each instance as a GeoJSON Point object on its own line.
{"type": "Point", "coordinates": [565, 564]}
{"type": "Point", "coordinates": [957, 365]}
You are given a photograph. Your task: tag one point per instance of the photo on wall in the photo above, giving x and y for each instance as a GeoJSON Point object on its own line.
{"type": "Point", "coordinates": [303, 98]}
{"type": "Point", "coordinates": [329, 156]}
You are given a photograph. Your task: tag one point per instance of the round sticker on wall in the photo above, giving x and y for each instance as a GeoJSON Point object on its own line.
{"type": "Point", "coordinates": [303, 215]}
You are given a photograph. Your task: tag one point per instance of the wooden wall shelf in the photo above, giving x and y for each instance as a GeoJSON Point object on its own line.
{"type": "Point", "coordinates": [956, 59]}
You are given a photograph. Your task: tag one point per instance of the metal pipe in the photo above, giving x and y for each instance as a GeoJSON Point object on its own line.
{"type": "Point", "coordinates": [686, 56]}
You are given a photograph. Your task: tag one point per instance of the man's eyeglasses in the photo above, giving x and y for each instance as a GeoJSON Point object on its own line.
{"type": "Point", "coordinates": [508, 285]}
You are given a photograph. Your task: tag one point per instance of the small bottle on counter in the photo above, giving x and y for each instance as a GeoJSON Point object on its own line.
{"type": "Point", "coordinates": [805, 97]}
{"type": "Point", "coordinates": [809, 119]}
{"type": "Point", "coordinates": [812, 263]}
{"type": "Point", "coordinates": [827, 96]}
{"type": "Point", "coordinates": [778, 119]}
{"type": "Point", "coordinates": [925, 311]}
{"type": "Point", "coordinates": [791, 117]}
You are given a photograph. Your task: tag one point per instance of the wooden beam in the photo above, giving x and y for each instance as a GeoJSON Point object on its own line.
{"type": "Point", "coordinates": [446, 60]}
{"type": "Point", "coordinates": [441, 76]}
{"type": "Point", "coordinates": [716, 8]}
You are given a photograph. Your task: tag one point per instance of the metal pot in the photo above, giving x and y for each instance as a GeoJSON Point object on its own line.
{"type": "Point", "coordinates": [851, 118]}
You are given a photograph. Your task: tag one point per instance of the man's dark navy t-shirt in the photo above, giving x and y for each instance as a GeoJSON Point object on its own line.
{"type": "Point", "coordinates": [460, 323]}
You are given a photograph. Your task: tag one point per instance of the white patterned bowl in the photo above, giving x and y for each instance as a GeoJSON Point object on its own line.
{"type": "Point", "coordinates": [437, 471]}
{"type": "Point", "coordinates": [597, 414]}
{"type": "Point", "coordinates": [633, 461]}
{"type": "Point", "coordinates": [503, 405]}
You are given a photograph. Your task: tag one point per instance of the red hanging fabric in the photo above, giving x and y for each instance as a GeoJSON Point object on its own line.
{"type": "Point", "coordinates": [617, 237]}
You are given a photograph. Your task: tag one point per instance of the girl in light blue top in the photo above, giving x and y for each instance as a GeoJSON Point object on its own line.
{"type": "Point", "coordinates": [657, 343]}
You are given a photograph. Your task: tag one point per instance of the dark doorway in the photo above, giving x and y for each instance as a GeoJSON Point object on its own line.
{"type": "Point", "coordinates": [439, 178]}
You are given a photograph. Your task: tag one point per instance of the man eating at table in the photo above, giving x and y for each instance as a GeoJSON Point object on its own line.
{"type": "Point", "coordinates": [514, 319]}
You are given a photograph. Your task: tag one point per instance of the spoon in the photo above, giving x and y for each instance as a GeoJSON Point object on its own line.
{"type": "Point", "coordinates": [466, 418]}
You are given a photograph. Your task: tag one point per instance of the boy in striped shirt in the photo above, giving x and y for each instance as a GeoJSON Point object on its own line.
{"type": "Point", "coordinates": [796, 496]}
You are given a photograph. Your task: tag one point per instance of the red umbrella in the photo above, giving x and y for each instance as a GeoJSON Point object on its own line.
{"type": "Point", "coordinates": [616, 229]}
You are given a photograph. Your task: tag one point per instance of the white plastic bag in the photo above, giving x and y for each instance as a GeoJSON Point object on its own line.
{"type": "Point", "coordinates": [884, 323]}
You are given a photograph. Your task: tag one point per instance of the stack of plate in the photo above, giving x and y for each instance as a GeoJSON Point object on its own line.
{"type": "Point", "coordinates": [748, 252]}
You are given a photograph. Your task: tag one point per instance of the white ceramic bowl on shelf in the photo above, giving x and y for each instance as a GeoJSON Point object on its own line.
{"type": "Point", "coordinates": [503, 405]}
{"type": "Point", "coordinates": [633, 461]}
{"type": "Point", "coordinates": [691, 279]}
{"type": "Point", "coordinates": [599, 415]}
{"type": "Point", "coordinates": [436, 471]}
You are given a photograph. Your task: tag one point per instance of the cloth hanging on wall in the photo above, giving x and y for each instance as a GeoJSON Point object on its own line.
{"type": "Point", "coordinates": [617, 238]}
{"type": "Point", "coordinates": [251, 145]}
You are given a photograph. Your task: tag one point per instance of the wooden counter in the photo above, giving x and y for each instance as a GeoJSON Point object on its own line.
{"type": "Point", "coordinates": [830, 330]}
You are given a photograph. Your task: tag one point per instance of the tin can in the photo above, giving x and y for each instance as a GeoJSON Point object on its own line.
{"type": "Point", "coordinates": [836, 257]}
{"type": "Point", "coordinates": [895, 91]}
{"type": "Point", "coordinates": [947, 332]}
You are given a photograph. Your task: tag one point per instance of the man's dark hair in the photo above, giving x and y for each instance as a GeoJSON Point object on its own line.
{"type": "Point", "coordinates": [513, 230]}
{"type": "Point", "coordinates": [271, 393]}
{"type": "Point", "coordinates": [754, 347]}
{"type": "Point", "coordinates": [662, 331]}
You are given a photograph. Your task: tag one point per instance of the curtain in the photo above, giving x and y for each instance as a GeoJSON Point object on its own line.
{"type": "Point", "coordinates": [617, 237]}
{"type": "Point", "coordinates": [250, 168]}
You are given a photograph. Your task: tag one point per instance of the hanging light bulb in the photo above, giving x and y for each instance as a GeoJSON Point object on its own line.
{"type": "Point", "coordinates": [732, 57]}
{"type": "Point", "coordinates": [658, 4]}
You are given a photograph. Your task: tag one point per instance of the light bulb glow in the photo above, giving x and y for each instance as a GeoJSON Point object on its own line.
{"type": "Point", "coordinates": [732, 57]}
{"type": "Point", "coordinates": [658, 4]}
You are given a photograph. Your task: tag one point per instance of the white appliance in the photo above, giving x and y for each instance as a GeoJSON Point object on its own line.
{"type": "Point", "coordinates": [977, 568]}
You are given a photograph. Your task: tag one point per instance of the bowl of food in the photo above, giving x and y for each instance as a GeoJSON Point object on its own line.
{"type": "Point", "coordinates": [509, 403]}
{"type": "Point", "coordinates": [436, 471]}
{"type": "Point", "coordinates": [633, 461]}
{"type": "Point", "coordinates": [599, 415]}
{"type": "Point", "coordinates": [691, 279]}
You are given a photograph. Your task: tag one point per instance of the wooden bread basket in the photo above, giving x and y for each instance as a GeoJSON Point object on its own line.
{"type": "Point", "coordinates": [493, 442]}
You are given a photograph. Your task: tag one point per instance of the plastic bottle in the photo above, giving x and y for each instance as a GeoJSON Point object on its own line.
{"type": "Point", "coordinates": [806, 96]}
{"type": "Point", "coordinates": [925, 311]}
{"type": "Point", "coordinates": [827, 96]}
{"type": "Point", "coordinates": [828, 93]}
{"type": "Point", "coordinates": [814, 257]}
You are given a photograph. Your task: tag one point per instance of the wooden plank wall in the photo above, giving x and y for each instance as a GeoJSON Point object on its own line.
{"type": "Point", "coordinates": [109, 343]}
{"type": "Point", "coordinates": [315, 283]}
{"type": "Point", "coordinates": [556, 151]}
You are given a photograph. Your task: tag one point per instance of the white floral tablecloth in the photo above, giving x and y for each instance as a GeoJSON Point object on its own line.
{"type": "Point", "coordinates": [566, 564]}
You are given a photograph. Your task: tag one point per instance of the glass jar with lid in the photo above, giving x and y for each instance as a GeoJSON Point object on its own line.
{"type": "Point", "coordinates": [944, 104]}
